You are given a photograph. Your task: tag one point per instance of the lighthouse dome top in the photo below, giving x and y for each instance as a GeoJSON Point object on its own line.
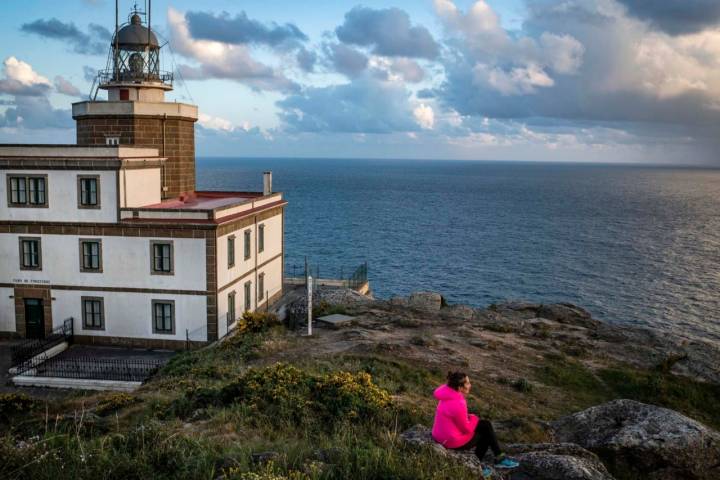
{"type": "Point", "coordinates": [135, 36]}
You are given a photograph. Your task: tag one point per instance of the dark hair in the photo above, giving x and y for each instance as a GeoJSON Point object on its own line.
{"type": "Point", "coordinates": [455, 380]}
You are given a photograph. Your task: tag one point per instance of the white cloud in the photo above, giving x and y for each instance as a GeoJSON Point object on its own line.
{"type": "Point", "coordinates": [218, 123]}
{"type": "Point", "coordinates": [424, 116]}
{"type": "Point", "coordinates": [222, 60]}
{"type": "Point", "coordinates": [21, 79]}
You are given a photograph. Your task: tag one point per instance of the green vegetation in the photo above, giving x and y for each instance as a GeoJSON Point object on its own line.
{"type": "Point", "coordinates": [583, 388]}
{"type": "Point", "coordinates": [332, 416]}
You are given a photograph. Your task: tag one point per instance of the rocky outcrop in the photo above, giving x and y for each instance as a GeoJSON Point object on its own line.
{"type": "Point", "coordinates": [537, 461]}
{"type": "Point", "coordinates": [652, 442]}
{"type": "Point", "coordinates": [564, 313]}
{"type": "Point", "coordinates": [425, 301]}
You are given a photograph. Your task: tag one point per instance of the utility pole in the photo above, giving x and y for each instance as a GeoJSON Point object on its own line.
{"type": "Point", "coordinates": [309, 305]}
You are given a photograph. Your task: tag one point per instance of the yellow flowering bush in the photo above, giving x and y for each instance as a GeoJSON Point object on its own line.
{"type": "Point", "coordinates": [114, 402]}
{"type": "Point", "coordinates": [282, 391]}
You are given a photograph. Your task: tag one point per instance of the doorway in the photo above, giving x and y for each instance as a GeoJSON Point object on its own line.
{"type": "Point", "coordinates": [34, 318]}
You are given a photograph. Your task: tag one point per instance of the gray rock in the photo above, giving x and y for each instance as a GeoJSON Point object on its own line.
{"type": "Point", "coordinates": [537, 462]}
{"type": "Point", "coordinates": [568, 314]}
{"type": "Point", "coordinates": [636, 438]}
{"type": "Point", "coordinates": [426, 301]}
{"type": "Point", "coordinates": [462, 312]}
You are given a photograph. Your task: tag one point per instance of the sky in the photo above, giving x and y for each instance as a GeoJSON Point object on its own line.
{"type": "Point", "coordinates": [533, 80]}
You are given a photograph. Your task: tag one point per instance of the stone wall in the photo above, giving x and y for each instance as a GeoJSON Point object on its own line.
{"type": "Point", "coordinates": [147, 131]}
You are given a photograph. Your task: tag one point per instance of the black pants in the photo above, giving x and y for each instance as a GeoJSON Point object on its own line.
{"type": "Point", "coordinates": [483, 439]}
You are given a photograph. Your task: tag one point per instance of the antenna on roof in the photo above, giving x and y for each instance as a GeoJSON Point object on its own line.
{"type": "Point", "coordinates": [115, 65]}
{"type": "Point", "coordinates": [149, 15]}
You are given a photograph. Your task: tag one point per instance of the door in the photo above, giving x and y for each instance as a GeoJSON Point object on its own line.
{"type": "Point", "coordinates": [34, 319]}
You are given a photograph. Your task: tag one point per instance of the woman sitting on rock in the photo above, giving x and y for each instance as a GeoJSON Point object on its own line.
{"type": "Point", "coordinates": [455, 429]}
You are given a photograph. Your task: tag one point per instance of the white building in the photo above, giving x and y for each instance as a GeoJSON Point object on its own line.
{"type": "Point", "coordinates": [112, 233]}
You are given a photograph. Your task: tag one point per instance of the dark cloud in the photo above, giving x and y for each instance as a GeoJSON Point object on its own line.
{"type": "Point", "coordinates": [346, 60]}
{"type": "Point", "coordinates": [97, 42]}
{"type": "Point", "coordinates": [365, 105]}
{"type": "Point", "coordinates": [676, 16]}
{"type": "Point", "coordinates": [35, 113]}
{"type": "Point", "coordinates": [389, 32]}
{"type": "Point", "coordinates": [65, 87]}
{"type": "Point", "coordinates": [306, 59]}
{"type": "Point", "coordinates": [241, 29]}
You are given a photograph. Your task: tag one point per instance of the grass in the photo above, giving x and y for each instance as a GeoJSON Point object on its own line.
{"type": "Point", "coordinates": [582, 388]}
{"type": "Point", "coordinates": [328, 417]}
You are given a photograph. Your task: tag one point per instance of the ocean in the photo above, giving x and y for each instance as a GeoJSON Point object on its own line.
{"type": "Point", "coordinates": [634, 245]}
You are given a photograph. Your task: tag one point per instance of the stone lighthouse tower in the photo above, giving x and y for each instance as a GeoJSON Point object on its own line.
{"type": "Point", "coordinates": [135, 112]}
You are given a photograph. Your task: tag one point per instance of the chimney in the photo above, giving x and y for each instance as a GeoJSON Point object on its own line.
{"type": "Point", "coordinates": [267, 183]}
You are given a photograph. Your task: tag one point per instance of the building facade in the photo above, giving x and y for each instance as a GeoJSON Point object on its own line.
{"type": "Point", "coordinates": [112, 233]}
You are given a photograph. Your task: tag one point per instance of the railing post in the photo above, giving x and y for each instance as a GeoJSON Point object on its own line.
{"type": "Point", "coordinates": [187, 339]}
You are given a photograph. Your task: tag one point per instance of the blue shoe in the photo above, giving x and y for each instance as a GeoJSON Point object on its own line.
{"type": "Point", "coordinates": [507, 463]}
{"type": "Point", "coordinates": [487, 472]}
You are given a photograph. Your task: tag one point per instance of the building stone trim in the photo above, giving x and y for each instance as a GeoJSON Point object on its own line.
{"type": "Point", "coordinates": [100, 255]}
{"type": "Point", "coordinates": [154, 302]}
{"type": "Point", "coordinates": [27, 204]}
{"type": "Point", "coordinates": [82, 163]}
{"type": "Point", "coordinates": [89, 229]}
{"type": "Point", "coordinates": [89, 288]}
{"type": "Point", "coordinates": [212, 288]}
{"type": "Point", "coordinates": [37, 292]}
{"type": "Point", "coordinates": [132, 342]}
{"type": "Point", "coordinates": [80, 205]}
{"type": "Point", "coordinates": [152, 257]}
{"type": "Point", "coordinates": [83, 323]}
{"type": "Point", "coordinates": [20, 251]}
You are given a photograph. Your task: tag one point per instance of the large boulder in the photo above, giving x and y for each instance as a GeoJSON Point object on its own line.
{"type": "Point", "coordinates": [568, 314]}
{"type": "Point", "coordinates": [649, 442]}
{"type": "Point", "coordinates": [426, 301]}
{"type": "Point", "coordinates": [537, 461]}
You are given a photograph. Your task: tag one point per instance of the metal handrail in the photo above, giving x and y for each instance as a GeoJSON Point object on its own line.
{"type": "Point", "coordinates": [28, 349]}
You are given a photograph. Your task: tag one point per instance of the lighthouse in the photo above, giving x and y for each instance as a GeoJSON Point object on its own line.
{"type": "Point", "coordinates": [135, 112]}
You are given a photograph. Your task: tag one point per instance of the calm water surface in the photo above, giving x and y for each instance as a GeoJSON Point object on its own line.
{"type": "Point", "coordinates": [634, 245]}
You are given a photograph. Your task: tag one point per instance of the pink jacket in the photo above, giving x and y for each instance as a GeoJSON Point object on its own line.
{"type": "Point", "coordinates": [453, 426]}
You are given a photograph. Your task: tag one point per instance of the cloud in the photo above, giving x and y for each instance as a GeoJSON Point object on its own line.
{"type": "Point", "coordinates": [66, 87]}
{"type": "Point", "coordinates": [365, 105]}
{"type": "Point", "coordinates": [35, 113]}
{"type": "Point", "coordinates": [96, 42]}
{"type": "Point", "coordinates": [578, 61]}
{"type": "Point", "coordinates": [424, 116]}
{"type": "Point", "coordinates": [210, 122]}
{"type": "Point", "coordinates": [20, 79]}
{"type": "Point", "coordinates": [346, 60]}
{"type": "Point", "coordinates": [242, 30]}
{"type": "Point", "coordinates": [222, 60]}
{"type": "Point", "coordinates": [89, 73]}
{"type": "Point", "coordinates": [306, 59]}
{"type": "Point", "coordinates": [388, 32]}
{"type": "Point", "coordinates": [408, 69]}
{"type": "Point", "coordinates": [676, 17]}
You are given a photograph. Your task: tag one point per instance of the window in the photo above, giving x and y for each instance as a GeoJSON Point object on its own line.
{"type": "Point", "coordinates": [27, 191]}
{"type": "Point", "coordinates": [93, 313]}
{"type": "Point", "coordinates": [124, 94]}
{"type": "Point", "coordinates": [88, 191]}
{"type": "Point", "coordinates": [30, 254]}
{"type": "Point", "coordinates": [261, 238]}
{"type": "Point", "coordinates": [248, 298]}
{"type": "Point", "coordinates": [112, 140]}
{"type": "Point", "coordinates": [231, 309]}
{"type": "Point", "coordinates": [231, 251]}
{"type": "Point", "coordinates": [163, 316]}
{"type": "Point", "coordinates": [162, 258]}
{"type": "Point", "coordinates": [247, 244]}
{"type": "Point", "coordinates": [261, 286]}
{"type": "Point", "coordinates": [90, 255]}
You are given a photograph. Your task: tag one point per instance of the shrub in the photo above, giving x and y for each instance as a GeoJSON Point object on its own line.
{"type": "Point", "coordinates": [256, 322]}
{"type": "Point", "coordinates": [282, 392]}
{"type": "Point", "coordinates": [324, 308]}
{"type": "Point", "coordinates": [114, 402]}
{"type": "Point", "coordinates": [522, 385]}
{"type": "Point", "coordinates": [15, 403]}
